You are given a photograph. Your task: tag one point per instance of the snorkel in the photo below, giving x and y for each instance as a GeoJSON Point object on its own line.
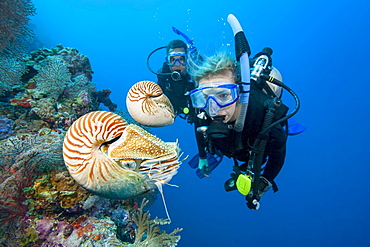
{"type": "Point", "coordinates": [192, 50]}
{"type": "Point", "coordinates": [242, 51]}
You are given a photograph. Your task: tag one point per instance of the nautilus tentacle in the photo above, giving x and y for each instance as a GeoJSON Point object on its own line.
{"type": "Point", "coordinates": [115, 160]}
{"type": "Point", "coordinates": [148, 105]}
{"type": "Point", "coordinates": [159, 160]}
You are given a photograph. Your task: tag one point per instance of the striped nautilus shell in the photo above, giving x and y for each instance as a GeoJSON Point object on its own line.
{"type": "Point", "coordinates": [148, 105]}
{"type": "Point", "coordinates": [113, 159]}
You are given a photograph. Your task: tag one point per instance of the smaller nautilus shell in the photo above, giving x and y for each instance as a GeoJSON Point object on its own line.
{"type": "Point", "coordinates": [148, 105]}
{"type": "Point", "coordinates": [113, 159]}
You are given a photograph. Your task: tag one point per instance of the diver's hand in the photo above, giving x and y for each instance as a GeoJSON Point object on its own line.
{"type": "Point", "coordinates": [204, 167]}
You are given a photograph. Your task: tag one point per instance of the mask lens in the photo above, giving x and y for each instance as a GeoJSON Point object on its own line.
{"type": "Point", "coordinates": [223, 95]}
{"type": "Point", "coordinates": [176, 59]}
{"type": "Point", "coordinates": [212, 108]}
{"type": "Point", "coordinates": [181, 59]}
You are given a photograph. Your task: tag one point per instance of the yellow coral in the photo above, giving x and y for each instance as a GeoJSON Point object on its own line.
{"type": "Point", "coordinates": [153, 237]}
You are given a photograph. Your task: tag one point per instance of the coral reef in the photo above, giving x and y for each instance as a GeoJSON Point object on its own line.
{"type": "Point", "coordinates": [57, 189]}
{"type": "Point", "coordinates": [76, 63]}
{"type": "Point", "coordinates": [22, 157]}
{"type": "Point", "coordinates": [41, 205]}
{"type": "Point", "coordinates": [49, 88]}
{"type": "Point", "coordinates": [41, 94]}
{"type": "Point", "coordinates": [58, 85]}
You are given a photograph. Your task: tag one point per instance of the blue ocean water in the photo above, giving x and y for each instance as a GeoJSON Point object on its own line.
{"type": "Point", "coordinates": [321, 50]}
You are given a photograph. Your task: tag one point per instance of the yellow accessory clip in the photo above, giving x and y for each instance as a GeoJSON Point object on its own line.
{"type": "Point", "coordinates": [244, 184]}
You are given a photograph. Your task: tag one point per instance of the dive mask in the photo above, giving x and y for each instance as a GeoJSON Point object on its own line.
{"type": "Point", "coordinates": [176, 59]}
{"type": "Point", "coordinates": [223, 95]}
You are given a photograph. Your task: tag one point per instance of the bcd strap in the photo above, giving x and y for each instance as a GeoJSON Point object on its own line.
{"type": "Point", "coordinates": [274, 186]}
{"type": "Point", "coordinates": [260, 96]}
{"type": "Point", "coordinates": [263, 136]}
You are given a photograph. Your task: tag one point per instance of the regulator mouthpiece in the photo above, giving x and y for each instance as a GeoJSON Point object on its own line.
{"type": "Point", "coordinates": [217, 128]}
{"type": "Point", "coordinates": [176, 76]}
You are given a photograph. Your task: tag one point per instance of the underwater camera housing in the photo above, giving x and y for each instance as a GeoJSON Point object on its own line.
{"type": "Point", "coordinates": [217, 128]}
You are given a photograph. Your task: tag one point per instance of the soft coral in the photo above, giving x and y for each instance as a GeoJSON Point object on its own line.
{"type": "Point", "coordinates": [12, 206]}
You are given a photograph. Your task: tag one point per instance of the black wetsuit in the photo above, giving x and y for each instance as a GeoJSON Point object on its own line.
{"type": "Point", "coordinates": [177, 92]}
{"type": "Point", "coordinates": [276, 145]}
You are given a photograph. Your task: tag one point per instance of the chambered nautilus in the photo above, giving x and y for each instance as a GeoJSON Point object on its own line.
{"type": "Point", "coordinates": [113, 159]}
{"type": "Point", "coordinates": [148, 105]}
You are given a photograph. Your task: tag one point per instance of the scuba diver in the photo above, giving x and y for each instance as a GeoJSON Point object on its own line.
{"type": "Point", "coordinates": [173, 77]}
{"type": "Point", "coordinates": [239, 114]}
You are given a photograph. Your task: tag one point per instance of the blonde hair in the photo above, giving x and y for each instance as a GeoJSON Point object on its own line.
{"type": "Point", "coordinates": [215, 65]}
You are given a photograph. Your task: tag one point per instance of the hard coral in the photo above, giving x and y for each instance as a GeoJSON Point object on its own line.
{"type": "Point", "coordinates": [56, 193]}
{"type": "Point", "coordinates": [44, 108]}
{"type": "Point", "coordinates": [77, 63]}
{"type": "Point", "coordinates": [84, 231]}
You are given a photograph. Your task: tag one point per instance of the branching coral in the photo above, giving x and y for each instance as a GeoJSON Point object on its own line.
{"type": "Point", "coordinates": [11, 71]}
{"type": "Point", "coordinates": [14, 36]}
{"type": "Point", "coordinates": [149, 234]}
{"type": "Point", "coordinates": [12, 205]}
{"type": "Point", "coordinates": [53, 76]}
{"type": "Point", "coordinates": [27, 152]}
{"type": "Point", "coordinates": [20, 157]}
{"type": "Point", "coordinates": [14, 17]}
